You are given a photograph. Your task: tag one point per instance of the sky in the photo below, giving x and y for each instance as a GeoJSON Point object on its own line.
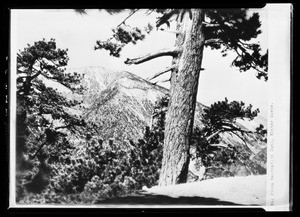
{"type": "Point", "coordinates": [79, 34]}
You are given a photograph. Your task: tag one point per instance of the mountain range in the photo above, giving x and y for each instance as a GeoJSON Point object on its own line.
{"type": "Point", "coordinates": [122, 103]}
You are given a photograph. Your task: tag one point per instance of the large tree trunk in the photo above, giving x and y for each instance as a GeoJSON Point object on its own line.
{"type": "Point", "coordinates": [183, 93]}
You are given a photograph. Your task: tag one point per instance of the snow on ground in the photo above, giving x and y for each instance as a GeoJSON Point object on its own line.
{"type": "Point", "coordinates": [247, 190]}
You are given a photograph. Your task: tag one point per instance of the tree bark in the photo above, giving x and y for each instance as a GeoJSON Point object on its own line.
{"type": "Point", "coordinates": [183, 93]}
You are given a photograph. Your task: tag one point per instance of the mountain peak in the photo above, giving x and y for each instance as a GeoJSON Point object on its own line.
{"type": "Point", "coordinates": [120, 102]}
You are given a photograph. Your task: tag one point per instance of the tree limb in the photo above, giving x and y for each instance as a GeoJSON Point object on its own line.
{"type": "Point", "coordinates": [233, 128]}
{"type": "Point", "coordinates": [62, 127]}
{"type": "Point", "coordinates": [123, 22]}
{"type": "Point", "coordinates": [214, 134]}
{"type": "Point", "coordinates": [167, 15]}
{"type": "Point", "coordinates": [213, 40]}
{"type": "Point", "coordinates": [243, 141]}
{"type": "Point", "coordinates": [56, 80]}
{"type": "Point", "coordinates": [206, 24]}
{"type": "Point", "coordinates": [160, 73]}
{"type": "Point", "coordinates": [164, 52]}
{"type": "Point", "coordinates": [31, 131]}
{"type": "Point", "coordinates": [34, 76]}
{"type": "Point", "coordinates": [39, 149]}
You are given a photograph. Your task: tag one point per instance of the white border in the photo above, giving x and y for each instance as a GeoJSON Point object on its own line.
{"type": "Point", "coordinates": [12, 108]}
{"type": "Point", "coordinates": [279, 26]}
{"type": "Point", "coordinates": [278, 153]}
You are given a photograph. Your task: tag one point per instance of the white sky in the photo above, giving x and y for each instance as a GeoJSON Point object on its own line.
{"type": "Point", "coordinates": [79, 33]}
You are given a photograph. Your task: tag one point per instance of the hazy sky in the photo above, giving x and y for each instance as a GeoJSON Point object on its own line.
{"type": "Point", "coordinates": [79, 33]}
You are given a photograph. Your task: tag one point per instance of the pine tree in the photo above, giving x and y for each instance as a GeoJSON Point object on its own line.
{"type": "Point", "coordinates": [228, 30]}
{"type": "Point", "coordinates": [42, 115]}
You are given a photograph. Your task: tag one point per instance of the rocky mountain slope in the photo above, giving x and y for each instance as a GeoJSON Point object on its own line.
{"type": "Point", "coordinates": [121, 104]}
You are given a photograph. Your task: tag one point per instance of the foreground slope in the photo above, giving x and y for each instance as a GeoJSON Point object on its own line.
{"type": "Point", "coordinates": [249, 190]}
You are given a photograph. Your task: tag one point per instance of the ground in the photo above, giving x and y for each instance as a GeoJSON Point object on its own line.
{"type": "Point", "coordinates": [248, 190]}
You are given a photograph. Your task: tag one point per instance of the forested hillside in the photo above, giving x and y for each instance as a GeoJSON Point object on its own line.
{"type": "Point", "coordinates": [119, 149]}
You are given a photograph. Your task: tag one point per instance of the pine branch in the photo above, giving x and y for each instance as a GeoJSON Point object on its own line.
{"type": "Point", "coordinates": [165, 52]}
{"type": "Point", "coordinates": [62, 127]}
{"type": "Point", "coordinates": [132, 13]}
{"type": "Point", "coordinates": [39, 149]}
{"type": "Point", "coordinates": [263, 73]}
{"type": "Point", "coordinates": [245, 44]}
{"type": "Point", "coordinates": [214, 134]}
{"type": "Point", "coordinates": [213, 41]}
{"type": "Point", "coordinates": [36, 75]}
{"type": "Point", "coordinates": [160, 73]}
{"type": "Point", "coordinates": [57, 80]}
{"type": "Point", "coordinates": [243, 141]}
{"type": "Point", "coordinates": [165, 18]}
{"type": "Point", "coordinates": [206, 24]}
{"type": "Point", "coordinates": [55, 64]}
{"type": "Point", "coordinates": [244, 47]}
{"type": "Point", "coordinates": [32, 131]}
{"type": "Point", "coordinates": [81, 11]}
{"type": "Point", "coordinates": [233, 128]}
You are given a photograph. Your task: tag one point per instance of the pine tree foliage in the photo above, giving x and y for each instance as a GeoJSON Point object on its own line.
{"type": "Point", "coordinates": [92, 169]}
{"type": "Point", "coordinates": [233, 30]}
{"type": "Point", "coordinates": [225, 29]}
{"type": "Point", "coordinates": [43, 120]}
{"type": "Point", "coordinates": [122, 35]}
{"type": "Point", "coordinates": [41, 104]}
{"type": "Point", "coordinates": [220, 117]}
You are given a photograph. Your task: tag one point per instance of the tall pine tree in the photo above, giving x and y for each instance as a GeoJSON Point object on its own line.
{"type": "Point", "coordinates": [42, 114]}
{"type": "Point", "coordinates": [223, 29]}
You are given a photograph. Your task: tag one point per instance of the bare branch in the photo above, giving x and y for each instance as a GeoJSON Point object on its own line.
{"type": "Point", "coordinates": [160, 73]}
{"type": "Point", "coordinates": [165, 52]}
